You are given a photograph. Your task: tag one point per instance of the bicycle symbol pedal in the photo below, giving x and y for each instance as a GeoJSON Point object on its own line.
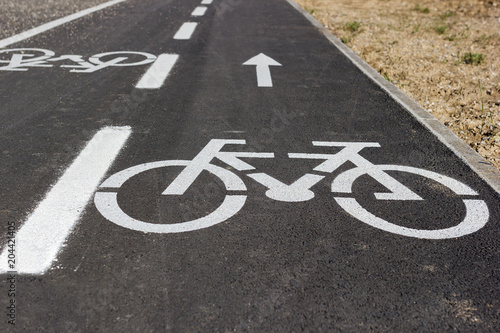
{"type": "Point", "coordinates": [477, 214]}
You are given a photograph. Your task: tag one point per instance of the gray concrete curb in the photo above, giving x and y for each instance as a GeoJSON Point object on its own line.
{"type": "Point", "coordinates": [476, 162]}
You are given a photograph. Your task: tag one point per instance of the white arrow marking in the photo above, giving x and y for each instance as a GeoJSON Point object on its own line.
{"type": "Point", "coordinates": [263, 73]}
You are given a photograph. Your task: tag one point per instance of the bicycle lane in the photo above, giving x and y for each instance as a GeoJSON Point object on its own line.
{"type": "Point", "coordinates": [311, 264]}
{"type": "Point", "coordinates": [278, 260]}
{"type": "Point", "coordinates": [279, 264]}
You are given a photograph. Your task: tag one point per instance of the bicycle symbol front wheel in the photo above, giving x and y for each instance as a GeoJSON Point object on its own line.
{"type": "Point", "coordinates": [107, 203]}
{"type": "Point", "coordinates": [477, 214]}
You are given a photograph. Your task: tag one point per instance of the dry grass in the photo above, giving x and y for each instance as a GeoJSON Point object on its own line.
{"type": "Point", "coordinates": [443, 54]}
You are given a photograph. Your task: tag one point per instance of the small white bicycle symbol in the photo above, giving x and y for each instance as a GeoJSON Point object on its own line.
{"type": "Point", "coordinates": [24, 58]}
{"type": "Point", "coordinates": [476, 216]}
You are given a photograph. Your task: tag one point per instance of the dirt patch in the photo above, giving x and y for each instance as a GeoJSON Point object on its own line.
{"type": "Point", "coordinates": [443, 54]}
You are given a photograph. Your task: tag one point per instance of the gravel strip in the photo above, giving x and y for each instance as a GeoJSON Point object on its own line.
{"type": "Point", "coordinates": [20, 15]}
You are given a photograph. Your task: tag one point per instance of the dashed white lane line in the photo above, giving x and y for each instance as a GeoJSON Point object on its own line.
{"type": "Point", "coordinates": [199, 11]}
{"type": "Point", "coordinates": [50, 25]}
{"type": "Point", "coordinates": [206, 2]}
{"type": "Point", "coordinates": [158, 72]}
{"type": "Point", "coordinates": [40, 238]}
{"type": "Point", "coordinates": [186, 31]}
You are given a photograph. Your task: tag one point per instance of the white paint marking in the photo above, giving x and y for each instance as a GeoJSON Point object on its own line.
{"type": "Point", "coordinates": [107, 204]}
{"type": "Point", "coordinates": [477, 214]}
{"type": "Point", "coordinates": [297, 192]}
{"type": "Point", "coordinates": [42, 235]}
{"type": "Point", "coordinates": [158, 72]}
{"type": "Point", "coordinates": [476, 217]}
{"type": "Point", "coordinates": [50, 25]}
{"type": "Point", "coordinates": [206, 2]}
{"type": "Point", "coordinates": [343, 183]}
{"type": "Point", "coordinates": [186, 31]}
{"type": "Point", "coordinates": [263, 73]}
{"type": "Point", "coordinates": [199, 11]}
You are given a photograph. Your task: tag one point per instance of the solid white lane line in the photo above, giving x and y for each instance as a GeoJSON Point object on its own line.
{"type": "Point", "coordinates": [206, 2]}
{"type": "Point", "coordinates": [186, 30]}
{"type": "Point", "coordinates": [158, 72]}
{"type": "Point", "coordinates": [40, 238]}
{"type": "Point", "coordinates": [50, 25]}
{"type": "Point", "coordinates": [199, 11]}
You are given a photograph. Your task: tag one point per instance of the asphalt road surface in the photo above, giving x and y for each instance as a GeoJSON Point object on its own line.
{"type": "Point", "coordinates": [221, 166]}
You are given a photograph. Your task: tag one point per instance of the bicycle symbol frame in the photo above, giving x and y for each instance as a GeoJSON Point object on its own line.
{"type": "Point", "coordinates": [477, 214]}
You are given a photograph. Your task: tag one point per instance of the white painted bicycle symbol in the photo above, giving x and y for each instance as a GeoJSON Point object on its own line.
{"type": "Point", "coordinates": [23, 59]}
{"type": "Point", "coordinates": [476, 216]}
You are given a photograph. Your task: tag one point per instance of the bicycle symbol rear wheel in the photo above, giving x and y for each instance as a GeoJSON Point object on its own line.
{"type": "Point", "coordinates": [107, 203]}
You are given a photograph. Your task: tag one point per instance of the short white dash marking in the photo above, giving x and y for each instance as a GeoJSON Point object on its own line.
{"type": "Point", "coordinates": [199, 11]}
{"type": "Point", "coordinates": [206, 2]}
{"type": "Point", "coordinates": [158, 72]}
{"type": "Point", "coordinates": [50, 25]}
{"type": "Point", "coordinates": [40, 238]}
{"type": "Point", "coordinates": [186, 31]}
